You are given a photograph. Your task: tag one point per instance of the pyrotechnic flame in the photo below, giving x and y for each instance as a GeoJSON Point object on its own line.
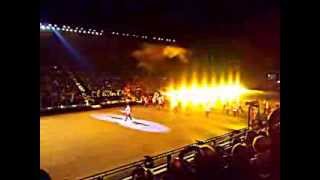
{"type": "Point", "coordinates": [204, 93]}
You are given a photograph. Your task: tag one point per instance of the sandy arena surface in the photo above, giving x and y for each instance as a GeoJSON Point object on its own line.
{"type": "Point", "coordinates": [76, 145]}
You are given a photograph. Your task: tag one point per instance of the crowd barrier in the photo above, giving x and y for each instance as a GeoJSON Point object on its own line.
{"type": "Point", "coordinates": [157, 165]}
{"type": "Point", "coordinates": [81, 107]}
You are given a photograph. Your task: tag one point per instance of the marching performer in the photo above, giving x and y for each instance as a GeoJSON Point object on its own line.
{"type": "Point", "coordinates": [208, 110]}
{"type": "Point", "coordinates": [127, 112]}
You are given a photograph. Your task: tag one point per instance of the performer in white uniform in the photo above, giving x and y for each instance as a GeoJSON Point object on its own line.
{"type": "Point", "coordinates": [127, 113]}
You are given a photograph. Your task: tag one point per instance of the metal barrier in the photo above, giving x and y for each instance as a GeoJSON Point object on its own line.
{"type": "Point", "coordinates": [160, 161]}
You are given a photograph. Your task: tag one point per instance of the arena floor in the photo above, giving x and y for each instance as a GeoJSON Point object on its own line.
{"type": "Point", "coordinates": [79, 144]}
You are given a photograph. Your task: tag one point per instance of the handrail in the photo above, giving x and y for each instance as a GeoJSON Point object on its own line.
{"type": "Point", "coordinates": [218, 140]}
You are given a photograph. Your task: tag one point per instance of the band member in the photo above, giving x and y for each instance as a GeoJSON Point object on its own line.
{"type": "Point", "coordinates": [177, 106]}
{"type": "Point", "coordinates": [226, 108]}
{"type": "Point", "coordinates": [208, 110]}
{"type": "Point", "coordinates": [127, 113]}
{"type": "Point", "coordinates": [155, 98]}
{"type": "Point", "coordinates": [235, 110]}
{"type": "Point", "coordinates": [161, 101]}
{"type": "Point", "coordinates": [146, 100]}
{"type": "Point", "coordinates": [268, 108]}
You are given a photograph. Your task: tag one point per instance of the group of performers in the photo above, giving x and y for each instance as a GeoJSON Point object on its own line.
{"type": "Point", "coordinates": [229, 108]}
{"type": "Point", "coordinates": [156, 99]}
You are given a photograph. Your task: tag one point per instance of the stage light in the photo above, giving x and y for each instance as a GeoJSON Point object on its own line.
{"type": "Point", "coordinates": [63, 26]}
{"type": "Point", "coordinates": [97, 33]}
{"type": "Point", "coordinates": [80, 31]}
{"type": "Point", "coordinates": [100, 34]}
{"type": "Point", "coordinates": [75, 31]}
{"type": "Point", "coordinates": [159, 39]}
{"type": "Point", "coordinates": [52, 28]}
{"type": "Point", "coordinates": [101, 31]}
{"type": "Point", "coordinates": [50, 25]}
{"type": "Point", "coordinates": [154, 38]}
{"type": "Point", "coordinates": [146, 37]}
{"type": "Point", "coordinates": [42, 27]}
{"type": "Point", "coordinates": [174, 40]}
{"type": "Point", "coordinates": [67, 30]}
{"type": "Point", "coordinates": [71, 30]}
{"type": "Point", "coordinates": [84, 32]}
{"type": "Point", "coordinates": [55, 25]}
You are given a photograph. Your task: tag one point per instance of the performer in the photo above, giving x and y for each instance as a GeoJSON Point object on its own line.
{"type": "Point", "coordinates": [127, 112]}
{"type": "Point", "coordinates": [208, 110]}
{"type": "Point", "coordinates": [161, 101]}
{"type": "Point", "coordinates": [146, 100]}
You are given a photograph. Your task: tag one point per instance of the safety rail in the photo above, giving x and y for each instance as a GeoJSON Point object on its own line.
{"type": "Point", "coordinates": [125, 172]}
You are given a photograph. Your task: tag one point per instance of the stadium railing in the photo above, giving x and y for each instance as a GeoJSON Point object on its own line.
{"type": "Point", "coordinates": [160, 161]}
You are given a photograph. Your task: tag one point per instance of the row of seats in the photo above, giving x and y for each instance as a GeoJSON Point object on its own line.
{"type": "Point", "coordinates": [256, 157]}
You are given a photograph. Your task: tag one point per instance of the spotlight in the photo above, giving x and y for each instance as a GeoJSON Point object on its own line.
{"type": "Point", "coordinates": [154, 38]}
{"type": "Point", "coordinates": [146, 37]}
{"type": "Point", "coordinates": [112, 33]}
{"type": "Point", "coordinates": [55, 25]}
{"type": "Point", "coordinates": [84, 32]}
{"type": "Point", "coordinates": [64, 26]}
{"type": "Point", "coordinates": [63, 29]}
{"type": "Point", "coordinates": [123, 34]}
{"type": "Point", "coordinates": [100, 34]}
{"type": "Point", "coordinates": [67, 30]}
{"type": "Point", "coordinates": [75, 31]}
{"type": "Point", "coordinates": [101, 31]}
{"type": "Point", "coordinates": [42, 27]}
{"type": "Point", "coordinates": [81, 28]}
{"type": "Point", "coordinates": [50, 25]}
{"type": "Point", "coordinates": [53, 28]}
{"type": "Point", "coordinates": [71, 30]}
{"type": "Point", "coordinates": [80, 31]}
{"type": "Point", "coordinates": [173, 40]}
{"type": "Point", "coordinates": [96, 33]}
{"type": "Point", "coordinates": [159, 39]}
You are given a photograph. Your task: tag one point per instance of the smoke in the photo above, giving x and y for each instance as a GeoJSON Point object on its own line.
{"type": "Point", "coordinates": [155, 58]}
